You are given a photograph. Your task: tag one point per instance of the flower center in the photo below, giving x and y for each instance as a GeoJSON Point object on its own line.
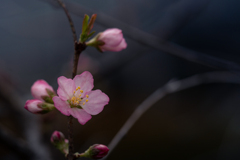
{"type": "Point", "coordinates": [77, 100]}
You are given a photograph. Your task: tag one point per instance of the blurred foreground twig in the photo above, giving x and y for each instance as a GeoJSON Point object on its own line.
{"type": "Point", "coordinates": [171, 87]}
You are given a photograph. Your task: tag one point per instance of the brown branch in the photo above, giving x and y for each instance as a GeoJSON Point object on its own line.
{"type": "Point", "coordinates": [171, 87]}
{"type": "Point", "coordinates": [78, 48]}
{"type": "Point", "coordinates": [69, 20]}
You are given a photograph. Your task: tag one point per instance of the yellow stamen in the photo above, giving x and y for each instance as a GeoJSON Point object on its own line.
{"type": "Point", "coordinates": [86, 100]}
{"type": "Point", "coordinates": [87, 96]}
{"type": "Point", "coordinates": [77, 102]}
{"type": "Point", "coordinates": [74, 91]}
{"type": "Point", "coordinates": [81, 91]}
{"type": "Point", "coordinates": [73, 99]}
{"type": "Point", "coordinates": [79, 95]}
{"type": "Point", "coordinates": [83, 103]}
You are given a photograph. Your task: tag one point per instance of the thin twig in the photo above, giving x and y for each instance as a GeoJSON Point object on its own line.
{"type": "Point", "coordinates": [78, 48]}
{"type": "Point", "coordinates": [171, 87]}
{"type": "Point", "coordinates": [69, 19]}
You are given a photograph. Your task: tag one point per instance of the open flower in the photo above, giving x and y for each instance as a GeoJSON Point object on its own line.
{"type": "Point", "coordinates": [76, 98]}
{"type": "Point", "coordinates": [109, 40]}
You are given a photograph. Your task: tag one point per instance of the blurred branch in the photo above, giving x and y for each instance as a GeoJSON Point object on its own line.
{"type": "Point", "coordinates": [178, 15]}
{"type": "Point", "coordinates": [171, 87]}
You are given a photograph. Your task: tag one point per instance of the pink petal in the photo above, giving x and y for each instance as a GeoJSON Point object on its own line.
{"type": "Point", "coordinates": [81, 115]}
{"type": "Point", "coordinates": [61, 105]}
{"type": "Point", "coordinates": [85, 81]}
{"type": "Point", "coordinates": [96, 102]}
{"type": "Point", "coordinates": [66, 88]}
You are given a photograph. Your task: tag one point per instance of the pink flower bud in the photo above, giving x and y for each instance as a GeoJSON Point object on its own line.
{"type": "Point", "coordinates": [33, 106]}
{"type": "Point", "coordinates": [38, 107]}
{"type": "Point", "coordinates": [59, 141]}
{"type": "Point", "coordinates": [113, 40]}
{"type": "Point", "coordinates": [57, 137]}
{"type": "Point", "coordinates": [41, 89]}
{"type": "Point", "coordinates": [97, 151]}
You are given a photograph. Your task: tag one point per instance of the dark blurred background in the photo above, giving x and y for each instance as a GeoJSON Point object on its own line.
{"type": "Point", "coordinates": [198, 123]}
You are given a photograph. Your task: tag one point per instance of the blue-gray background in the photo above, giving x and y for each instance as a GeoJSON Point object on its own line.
{"type": "Point", "coordinates": [199, 123]}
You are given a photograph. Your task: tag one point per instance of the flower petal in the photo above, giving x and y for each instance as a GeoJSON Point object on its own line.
{"type": "Point", "coordinates": [81, 115]}
{"type": "Point", "coordinates": [66, 88]}
{"type": "Point", "coordinates": [61, 105]}
{"type": "Point", "coordinates": [85, 81]}
{"type": "Point", "coordinates": [96, 102]}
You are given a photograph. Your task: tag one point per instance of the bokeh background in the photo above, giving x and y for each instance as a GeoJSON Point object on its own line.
{"type": "Point", "coordinates": [198, 123]}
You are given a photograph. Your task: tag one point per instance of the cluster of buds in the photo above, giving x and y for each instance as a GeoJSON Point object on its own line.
{"type": "Point", "coordinates": [43, 94]}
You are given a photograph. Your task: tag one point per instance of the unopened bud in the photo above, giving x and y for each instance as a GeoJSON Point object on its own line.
{"type": "Point", "coordinates": [43, 91]}
{"type": "Point", "coordinates": [110, 40]}
{"type": "Point", "coordinates": [57, 137]}
{"type": "Point", "coordinates": [38, 107]}
{"type": "Point", "coordinates": [59, 141]}
{"type": "Point", "coordinates": [97, 151]}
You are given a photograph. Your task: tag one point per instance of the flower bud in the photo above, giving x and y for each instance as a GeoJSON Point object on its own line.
{"type": "Point", "coordinates": [38, 107]}
{"type": "Point", "coordinates": [97, 151]}
{"type": "Point", "coordinates": [43, 91]}
{"type": "Point", "coordinates": [109, 40]}
{"type": "Point", "coordinates": [33, 106]}
{"type": "Point", "coordinates": [59, 141]}
{"type": "Point", "coordinates": [57, 137]}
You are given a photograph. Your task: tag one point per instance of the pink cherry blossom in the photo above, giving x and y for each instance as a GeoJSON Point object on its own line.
{"type": "Point", "coordinates": [113, 39]}
{"type": "Point", "coordinates": [39, 89]}
{"type": "Point", "coordinates": [76, 98]}
{"type": "Point", "coordinates": [33, 106]}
